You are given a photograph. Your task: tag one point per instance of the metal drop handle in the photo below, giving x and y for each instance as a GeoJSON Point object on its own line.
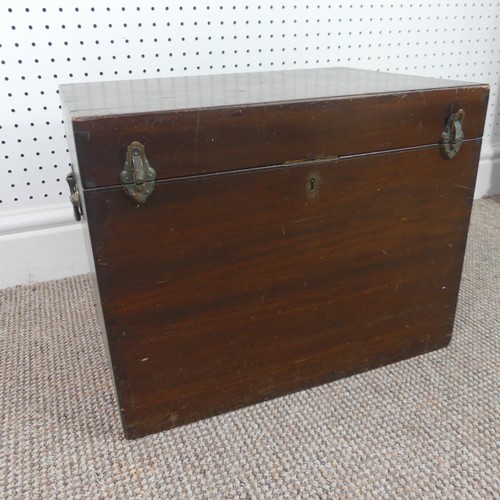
{"type": "Point", "coordinates": [74, 196]}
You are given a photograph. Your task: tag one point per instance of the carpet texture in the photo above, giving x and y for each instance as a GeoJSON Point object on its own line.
{"type": "Point", "coordinates": [423, 428]}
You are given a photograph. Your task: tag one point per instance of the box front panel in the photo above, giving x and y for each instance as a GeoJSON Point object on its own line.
{"type": "Point", "coordinates": [228, 289]}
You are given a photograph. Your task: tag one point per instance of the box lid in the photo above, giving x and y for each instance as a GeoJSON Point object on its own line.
{"type": "Point", "coordinates": [201, 124]}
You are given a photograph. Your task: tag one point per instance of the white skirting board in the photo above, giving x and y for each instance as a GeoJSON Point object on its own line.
{"type": "Point", "coordinates": [48, 244]}
{"type": "Point", "coordinates": [488, 176]}
{"type": "Point", "coordinates": [42, 254]}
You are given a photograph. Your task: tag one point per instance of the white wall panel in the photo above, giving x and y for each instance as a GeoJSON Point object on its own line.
{"type": "Point", "coordinates": [44, 44]}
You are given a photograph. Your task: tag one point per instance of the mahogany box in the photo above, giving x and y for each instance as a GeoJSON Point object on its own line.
{"type": "Point", "coordinates": [255, 234]}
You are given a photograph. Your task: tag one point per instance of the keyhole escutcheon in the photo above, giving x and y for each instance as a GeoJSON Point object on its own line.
{"type": "Point", "coordinates": [313, 184]}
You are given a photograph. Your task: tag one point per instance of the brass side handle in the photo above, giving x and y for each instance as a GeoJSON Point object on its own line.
{"type": "Point", "coordinates": [74, 196]}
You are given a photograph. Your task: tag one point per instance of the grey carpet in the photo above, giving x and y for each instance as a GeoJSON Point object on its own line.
{"type": "Point", "coordinates": [423, 428]}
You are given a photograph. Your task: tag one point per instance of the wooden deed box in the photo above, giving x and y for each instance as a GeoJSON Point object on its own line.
{"type": "Point", "coordinates": [255, 234]}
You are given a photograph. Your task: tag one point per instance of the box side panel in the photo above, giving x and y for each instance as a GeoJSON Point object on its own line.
{"type": "Point", "coordinates": [229, 289]}
{"type": "Point", "coordinates": [68, 124]}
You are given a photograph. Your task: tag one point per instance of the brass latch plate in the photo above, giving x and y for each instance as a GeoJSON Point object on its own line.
{"type": "Point", "coordinates": [138, 177]}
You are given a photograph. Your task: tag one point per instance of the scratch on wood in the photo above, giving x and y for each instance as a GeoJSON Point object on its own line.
{"type": "Point", "coordinates": [307, 219]}
{"type": "Point", "coordinates": [173, 417]}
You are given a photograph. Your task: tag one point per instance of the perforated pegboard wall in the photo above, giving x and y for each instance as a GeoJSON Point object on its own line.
{"type": "Point", "coordinates": [45, 44]}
